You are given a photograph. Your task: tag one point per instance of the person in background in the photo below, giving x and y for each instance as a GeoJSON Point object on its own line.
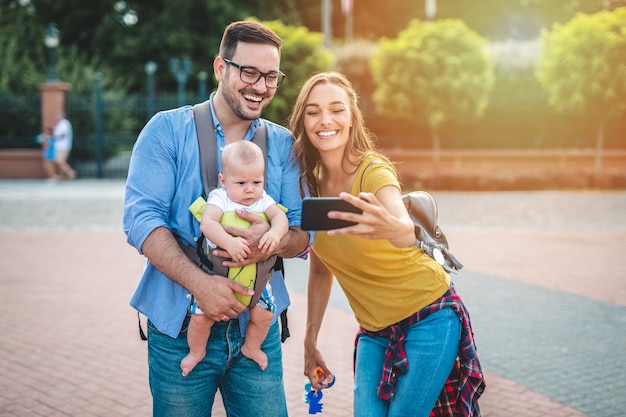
{"type": "Point", "coordinates": [46, 140]}
{"type": "Point", "coordinates": [414, 329]}
{"type": "Point", "coordinates": [164, 179]}
{"type": "Point", "coordinates": [63, 138]}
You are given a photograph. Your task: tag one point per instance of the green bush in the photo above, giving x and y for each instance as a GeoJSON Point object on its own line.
{"type": "Point", "coordinates": [303, 55]}
{"type": "Point", "coordinates": [353, 59]}
{"type": "Point", "coordinates": [583, 68]}
{"type": "Point", "coordinates": [582, 65]}
{"type": "Point", "coordinates": [433, 72]}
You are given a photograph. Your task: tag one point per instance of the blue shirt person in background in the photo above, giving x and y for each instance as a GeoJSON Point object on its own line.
{"type": "Point", "coordinates": [46, 140]}
{"type": "Point", "coordinates": [164, 179]}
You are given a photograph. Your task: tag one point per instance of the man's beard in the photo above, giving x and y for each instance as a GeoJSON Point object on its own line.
{"type": "Point", "coordinates": [238, 109]}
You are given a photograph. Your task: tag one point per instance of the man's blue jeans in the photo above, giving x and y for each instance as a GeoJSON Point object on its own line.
{"type": "Point", "coordinates": [431, 346]}
{"type": "Point", "coordinates": [246, 390]}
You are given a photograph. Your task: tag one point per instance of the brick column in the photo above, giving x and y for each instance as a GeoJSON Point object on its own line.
{"type": "Point", "coordinates": [52, 101]}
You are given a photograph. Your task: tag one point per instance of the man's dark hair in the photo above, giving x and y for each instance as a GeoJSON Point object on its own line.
{"type": "Point", "coordinates": [247, 31]}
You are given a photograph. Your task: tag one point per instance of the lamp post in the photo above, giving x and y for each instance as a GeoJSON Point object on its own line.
{"type": "Point", "coordinates": [53, 91]}
{"type": "Point", "coordinates": [180, 71]}
{"type": "Point", "coordinates": [51, 39]}
{"type": "Point", "coordinates": [346, 7]}
{"type": "Point", "coordinates": [150, 68]}
{"type": "Point", "coordinates": [327, 30]}
{"type": "Point", "coordinates": [430, 9]}
{"type": "Point", "coordinates": [99, 136]}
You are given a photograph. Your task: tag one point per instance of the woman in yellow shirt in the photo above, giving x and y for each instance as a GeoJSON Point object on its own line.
{"type": "Point", "coordinates": [409, 339]}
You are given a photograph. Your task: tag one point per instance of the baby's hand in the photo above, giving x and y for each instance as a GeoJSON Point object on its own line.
{"type": "Point", "coordinates": [238, 249]}
{"type": "Point", "coordinates": [269, 241]}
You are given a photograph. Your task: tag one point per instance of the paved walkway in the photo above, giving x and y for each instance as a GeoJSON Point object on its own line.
{"type": "Point", "coordinates": [543, 280]}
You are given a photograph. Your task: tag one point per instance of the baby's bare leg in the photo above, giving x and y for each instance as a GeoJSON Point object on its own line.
{"type": "Point", "coordinates": [256, 332]}
{"type": "Point", "coordinates": [197, 338]}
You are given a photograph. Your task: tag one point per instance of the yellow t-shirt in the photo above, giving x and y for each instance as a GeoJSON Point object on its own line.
{"type": "Point", "coordinates": [382, 283]}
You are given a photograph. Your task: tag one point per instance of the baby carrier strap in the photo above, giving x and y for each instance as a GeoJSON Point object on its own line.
{"type": "Point", "coordinates": [208, 146]}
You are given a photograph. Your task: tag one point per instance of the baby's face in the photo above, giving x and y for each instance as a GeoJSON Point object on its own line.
{"type": "Point", "coordinates": [244, 183]}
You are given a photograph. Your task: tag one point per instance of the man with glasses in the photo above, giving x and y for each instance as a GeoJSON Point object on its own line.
{"type": "Point", "coordinates": [163, 181]}
{"type": "Point", "coordinates": [250, 75]}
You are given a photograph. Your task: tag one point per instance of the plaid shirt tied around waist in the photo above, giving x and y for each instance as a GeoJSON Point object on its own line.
{"type": "Point", "coordinates": [466, 383]}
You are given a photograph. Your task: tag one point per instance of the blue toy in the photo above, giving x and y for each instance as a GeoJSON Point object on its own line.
{"type": "Point", "coordinates": [314, 396]}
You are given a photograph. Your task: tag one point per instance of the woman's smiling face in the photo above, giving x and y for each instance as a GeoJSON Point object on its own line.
{"type": "Point", "coordinates": [327, 117]}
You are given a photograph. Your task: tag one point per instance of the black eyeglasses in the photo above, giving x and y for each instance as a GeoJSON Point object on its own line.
{"type": "Point", "coordinates": [251, 75]}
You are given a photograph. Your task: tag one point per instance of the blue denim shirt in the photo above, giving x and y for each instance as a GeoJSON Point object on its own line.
{"type": "Point", "coordinates": [164, 179]}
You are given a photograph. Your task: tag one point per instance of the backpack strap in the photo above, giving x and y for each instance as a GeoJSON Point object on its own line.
{"type": "Point", "coordinates": [207, 145]}
{"type": "Point", "coordinates": [374, 162]}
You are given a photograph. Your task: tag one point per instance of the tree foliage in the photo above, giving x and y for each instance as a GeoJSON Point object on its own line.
{"type": "Point", "coordinates": [583, 64]}
{"type": "Point", "coordinates": [20, 66]}
{"type": "Point", "coordinates": [436, 72]}
{"type": "Point", "coordinates": [492, 19]}
{"type": "Point", "coordinates": [121, 36]}
{"type": "Point", "coordinates": [117, 37]}
{"type": "Point", "coordinates": [303, 55]}
{"type": "Point", "coordinates": [102, 34]}
{"type": "Point", "coordinates": [583, 68]}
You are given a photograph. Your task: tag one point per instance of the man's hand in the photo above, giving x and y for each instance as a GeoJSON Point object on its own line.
{"type": "Point", "coordinates": [252, 235]}
{"type": "Point", "coordinates": [213, 293]}
{"type": "Point", "coordinates": [215, 296]}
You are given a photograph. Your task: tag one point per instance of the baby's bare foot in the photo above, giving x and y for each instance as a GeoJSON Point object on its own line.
{"type": "Point", "coordinates": [189, 362]}
{"type": "Point", "coordinates": [256, 355]}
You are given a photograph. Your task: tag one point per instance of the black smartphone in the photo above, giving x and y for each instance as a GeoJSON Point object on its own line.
{"type": "Point", "coordinates": [315, 213]}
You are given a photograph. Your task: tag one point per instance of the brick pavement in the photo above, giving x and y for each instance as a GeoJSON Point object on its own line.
{"type": "Point", "coordinates": [69, 344]}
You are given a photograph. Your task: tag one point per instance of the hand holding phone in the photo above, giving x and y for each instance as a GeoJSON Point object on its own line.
{"type": "Point", "coordinates": [315, 213]}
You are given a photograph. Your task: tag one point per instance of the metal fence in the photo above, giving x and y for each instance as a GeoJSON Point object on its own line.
{"type": "Point", "coordinates": [105, 129]}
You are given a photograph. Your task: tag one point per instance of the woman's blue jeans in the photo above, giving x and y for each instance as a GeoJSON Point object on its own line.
{"type": "Point", "coordinates": [431, 346]}
{"type": "Point", "coordinates": [246, 390]}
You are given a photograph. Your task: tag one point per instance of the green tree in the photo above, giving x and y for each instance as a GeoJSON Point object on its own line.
{"type": "Point", "coordinates": [353, 60]}
{"type": "Point", "coordinates": [433, 72]}
{"type": "Point", "coordinates": [582, 66]}
{"type": "Point", "coordinates": [303, 55]}
{"type": "Point", "coordinates": [124, 35]}
{"type": "Point", "coordinates": [22, 53]}
{"type": "Point", "coordinates": [116, 39]}
{"type": "Point", "coordinates": [493, 19]}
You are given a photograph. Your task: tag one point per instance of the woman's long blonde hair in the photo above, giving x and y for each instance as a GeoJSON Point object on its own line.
{"type": "Point", "coordinates": [360, 140]}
